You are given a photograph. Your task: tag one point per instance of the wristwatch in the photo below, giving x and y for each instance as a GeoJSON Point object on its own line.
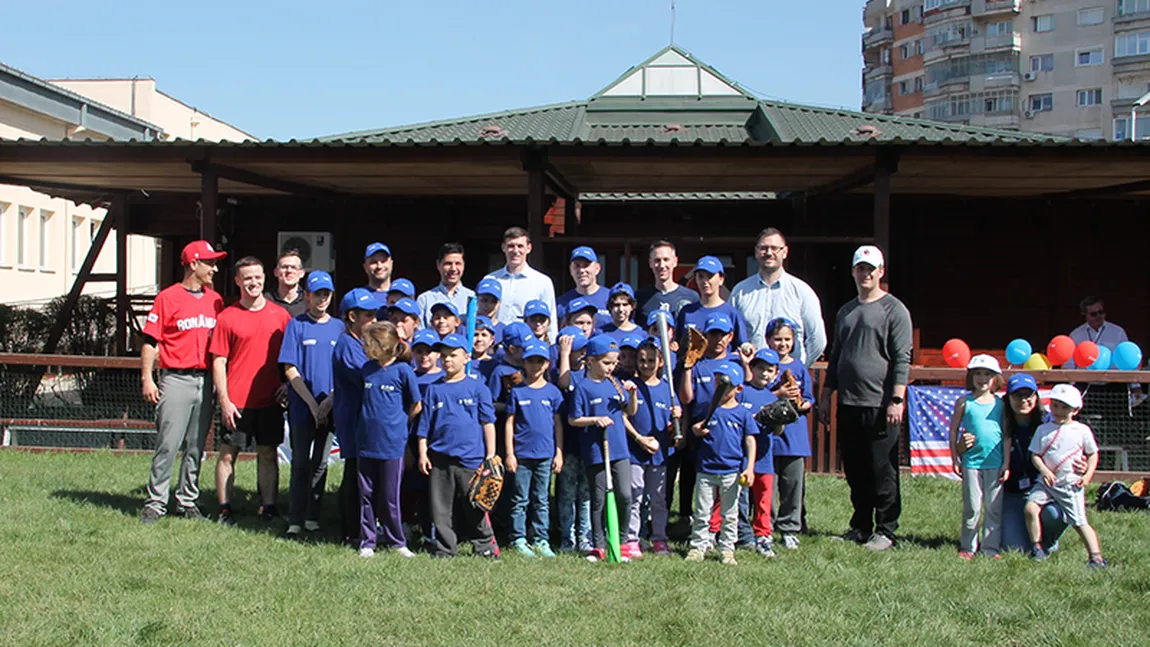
{"type": "Point", "coordinates": [894, 399]}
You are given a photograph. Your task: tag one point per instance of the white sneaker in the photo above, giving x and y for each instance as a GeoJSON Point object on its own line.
{"type": "Point", "coordinates": [404, 551]}
{"type": "Point", "coordinates": [294, 530]}
{"type": "Point", "coordinates": [790, 542]}
{"type": "Point", "coordinates": [367, 553]}
{"type": "Point", "coordinates": [311, 526]}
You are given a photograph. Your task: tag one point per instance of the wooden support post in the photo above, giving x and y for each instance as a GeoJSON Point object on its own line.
{"type": "Point", "coordinates": [82, 277]}
{"type": "Point", "coordinates": [119, 215]}
{"type": "Point", "coordinates": [209, 203]}
{"type": "Point", "coordinates": [886, 163]}
{"type": "Point", "coordinates": [536, 208]}
{"type": "Point", "coordinates": [571, 215]}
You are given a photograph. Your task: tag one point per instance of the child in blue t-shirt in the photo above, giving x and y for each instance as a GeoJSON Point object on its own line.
{"type": "Point", "coordinates": [534, 440]}
{"type": "Point", "coordinates": [482, 349]}
{"type": "Point", "coordinates": [456, 434]}
{"type": "Point", "coordinates": [725, 458]}
{"type": "Point", "coordinates": [390, 401]}
{"type": "Point", "coordinates": [597, 409]}
{"type": "Point", "coordinates": [650, 445]}
{"type": "Point", "coordinates": [982, 465]}
{"type": "Point", "coordinates": [572, 493]}
{"type": "Point", "coordinates": [793, 446]}
{"type": "Point", "coordinates": [757, 394]}
{"type": "Point", "coordinates": [424, 358]}
{"type": "Point", "coordinates": [628, 353]}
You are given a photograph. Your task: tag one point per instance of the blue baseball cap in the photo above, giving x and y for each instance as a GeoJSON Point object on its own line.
{"type": "Point", "coordinates": [718, 321]}
{"type": "Point", "coordinates": [1021, 381]}
{"type": "Point", "coordinates": [319, 280]}
{"type": "Point", "coordinates": [453, 341]}
{"type": "Point", "coordinates": [445, 305]}
{"type": "Point", "coordinates": [490, 287]}
{"type": "Point", "coordinates": [652, 341]}
{"type": "Point", "coordinates": [404, 305]}
{"type": "Point", "coordinates": [766, 355]}
{"type": "Point", "coordinates": [578, 341]}
{"type": "Point", "coordinates": [601, 345]}
{"type": "Point", "coordinates": [653, 318]}
{"type": "Point", "coordinates": [483, 322]}
{"type": "Point", "coordinates": [622, 287]}
{"type": "Point", "coordinates": [733, 372]}
{"type": "Point", "coordinates": [376, 248]}
{"type": "Point", "coordinates": [516, 333]}
{"type": "Point", "coordinates": [710, 264]}
{"type": "Point", "coordinates": [536, 349]}
{"type": "Point", "coordinates": [579, 304]}
{"type": "Point", "coordinates": [632, 341]}
{"type": "Point", "coordinates": [426, 337]}
{"type": "Point", "coordinates": [585, 253]}
{"type": "Point", "coordinates": [404, 287]}
{"type": "Point", "coordinates": [360, 299]}
{"type": "Point", "coordinates": [536, 307]}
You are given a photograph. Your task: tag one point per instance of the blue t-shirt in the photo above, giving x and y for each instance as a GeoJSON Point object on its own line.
{"type": "Point", "coordinates": [796, 438]}
{"type": "Point", "coordinates": [430, 377]}
{"type": "Point", "coordinates": [703, 386]}
{"type": "Point", "coordinates": [346, 362]}
{"type": "Point", "coordinates": [534, 411]}
{"type": "Point", "coordinates": [571, 435]}
{"type": "Point", "coordinates": [613, 331]}
{"type": "Point", "coordinates": [722, 451]}
{"type": "Point", "coordinates": [599, 399]}
{"type": "Point", "coordinates": [495, 382]}
{"type": "Point", "coordinates": [453, 417]}
{"type": "Point", "coordinates": [753, 398]}
{"type": "Point", "coordinates": [388, 393]}
{"type": "Point", "coordinates": [652, 419]}
{"type": "Point", "coordinates": [599, 300]}
{"type": "Point", "coordinates": [484, 368]}
{"type": "Point", "coordinates": [694, 315]}
{"type": "Point", "coordinates": [309, 346]}
{"type": "Point", "coordinates": [984, 422]}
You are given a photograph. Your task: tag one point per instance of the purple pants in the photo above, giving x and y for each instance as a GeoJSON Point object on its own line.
{"type": "Point", "coordinates": [379, 488]}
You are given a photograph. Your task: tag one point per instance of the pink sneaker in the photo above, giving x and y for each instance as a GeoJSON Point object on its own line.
{"type": "Point", "coordinates": [631, 550]}
{"type": "Point", "coordinates": [661, 548]}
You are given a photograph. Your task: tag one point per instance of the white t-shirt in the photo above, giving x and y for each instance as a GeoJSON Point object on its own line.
{"type": "Point", "coordinates": [1109, 335]}
{"type": "Point", "coordinates": [1060, 444]}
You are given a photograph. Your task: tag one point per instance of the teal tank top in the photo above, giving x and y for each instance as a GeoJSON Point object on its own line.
{"type": "Point", "coordinates": [984, 422]}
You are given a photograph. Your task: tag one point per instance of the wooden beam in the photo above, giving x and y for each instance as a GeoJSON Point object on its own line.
{"type": "Point", "coordinates": [105, 277]}
{"type": "Point", "coordinates": [1114, 189]}
{"type": "Point", "coordinates": [854, 180]}
{"type": "Point", "coordinates": [559, 183]}
{"type": "Point", "coordinates": [255, 179]}
{"type": "Point", "coordinates": [536, 209]}
{"type": "Point", "coordinates": [119, 213]}
{"type": "Point", "coordinates": [65, 314]}
{"type": "Point", "coordinates": [571, 215]}
{"type": "Point", "coordinates": [209, 203]}
{"type": "Point", "coordinates": [886, 163]}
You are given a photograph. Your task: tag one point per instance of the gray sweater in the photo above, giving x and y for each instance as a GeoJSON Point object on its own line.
{"type": "Point", "coordinates": [872, 351]}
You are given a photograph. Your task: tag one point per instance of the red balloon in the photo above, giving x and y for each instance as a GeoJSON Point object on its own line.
{"type": "Point", "coordinates": [1086, 354]}
{"type": "Point", "coordinates": [1060, 349]}
{"type": "Point", "coordinates": [956, 353]}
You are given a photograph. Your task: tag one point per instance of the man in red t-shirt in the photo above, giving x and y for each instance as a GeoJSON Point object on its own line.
{"type": "Point", "coordinates": [178, 329]}
{"type": "Point", "coordinates": [245, 350]}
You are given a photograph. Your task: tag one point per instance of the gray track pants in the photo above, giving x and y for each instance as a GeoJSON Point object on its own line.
{"type": "Point", "coordinates": [182, 420]}
{"type": "Point", "coordinates": [981, 496]}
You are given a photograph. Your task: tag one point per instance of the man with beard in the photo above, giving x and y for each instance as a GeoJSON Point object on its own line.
{"type": "Point", "coordinates": [378, 266]}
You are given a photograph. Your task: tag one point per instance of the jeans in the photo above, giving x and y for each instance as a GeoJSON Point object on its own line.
{"type": "Point", "coordinates": [648, 485]}
{"type": "Point", "coordinates": [310, 449]}
{"type": "Point", "coordinates": [349, 500]}
{"type": "Point", "coordinates": [1014, 535]}
{"type": "Point", "coordinates": [574, 499]}
{"type": "Point", "coordinates": [532, 493]}
{"type": "Point", "coordinates": [710, 488]}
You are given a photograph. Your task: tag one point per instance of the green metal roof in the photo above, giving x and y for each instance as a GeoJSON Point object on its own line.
{"type": "Point", "coordinates": [697, 106]}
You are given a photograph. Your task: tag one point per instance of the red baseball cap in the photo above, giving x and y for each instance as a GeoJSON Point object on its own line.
{"type": "Point", "coordinates": [200, 250]}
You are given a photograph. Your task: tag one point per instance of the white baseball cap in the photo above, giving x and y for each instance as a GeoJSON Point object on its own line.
{"type": "Point", "coordinates": [1067, 395]}
{"type": "Point", "coordinates": [868, 254]}
{"type": "Point", "coordinates": [984, 361]}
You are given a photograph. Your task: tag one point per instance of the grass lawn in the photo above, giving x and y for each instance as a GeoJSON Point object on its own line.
{"type": "Point", "coordinates": [77, 567]}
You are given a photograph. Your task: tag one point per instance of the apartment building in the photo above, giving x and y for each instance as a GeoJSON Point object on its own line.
{"type": "Point", "coordinates": [1066, 67]}
{"type": "Point", "coordinates": [44, 240]}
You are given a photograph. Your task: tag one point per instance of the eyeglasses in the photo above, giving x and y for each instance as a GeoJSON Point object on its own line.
{"type": "Point", "coordinates": [770, 248]}
{"type": "Point", "coordinates": [291, 268]}
{"type": "Point", "coordinates": [1096, 313]}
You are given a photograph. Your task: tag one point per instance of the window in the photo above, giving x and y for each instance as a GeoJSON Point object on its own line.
{"type": "Point", "coordinates": [1042, 63]}
{"type": "Point", "coordinates": [1042, 23]}
{"type": "Point", "coordinates": [917, 115]}
{"type": "Point", "coordinates": [918, 84]}
{"type": "Point", "coordinates": [931, 5]}
{"type": "Point", "coordinates": [950, 33]}
{"type": "Point", "coordinates": [23, 234]}
{"type": "Point", "coordinates": [886, 57]}
{"type": "Point", "coordinates": [904, 17]}
{"type": "Point", "coordinates": [1090, 16]}
{"type": "Point", "coordinates": [1132, 44]}
{"type": "Point", "coordinates": [1004, 28]}
{"type": "Point", "coordinates": [958, 106]}
{"type": "Point", "coordinates": [77, 233]}
{"type": "Point", "coordinates": [3, 230]}
{"type": "Point", "coordinates": [918, 47]}
{"type": "Point", "coordinates": [1087, 134]}
{"type": "Point", "coordinates": [1040, 102]}
{"type": "Point", "coordinates": [887, 23]}
{"type": "Point", "coordinates": [904, 52]}
{"type": "Point", "coordinates": [902, 88]}
{"type": "Point", "coordinates": [1088, 56]}
{"type": "Point", "coordinates": [1142, 130]}
{"type": "Point", "coordinates": [1127, 7]}
{"type": "Point", "coordinates": [45, 237]}
{"type": "Point", "coordinates": [1090, 97]}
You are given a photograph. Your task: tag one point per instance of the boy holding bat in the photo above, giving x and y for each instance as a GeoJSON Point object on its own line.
{"type": "Point", "coordinates": [725, 457]}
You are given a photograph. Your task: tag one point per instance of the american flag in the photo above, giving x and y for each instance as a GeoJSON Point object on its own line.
{"type": "Point", "coordinates": [929, 410]}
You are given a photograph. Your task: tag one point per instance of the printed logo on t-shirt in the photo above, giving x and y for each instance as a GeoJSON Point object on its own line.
{"type": "Point", "coordinates": [153, 317]}
{"type": "Point", "coordinates": [544, 402]}
{"type": "Point", "coordinates": [198, 321]}
{"type": "Point", "coordinates": [704, 378]}
{"type": "Point", "coordinates": [467, 402]}
{"type": "Point", "coordinates": [596, 401]}
{"type": "Point", "coordinates": [524, 403]}
{"type": "Point", "coordinates": [388, 388]}
{"type": "Point", "coordinates": [438, 405]}
{"type": "Point", "coordinates": [658, 405]}
{"type": "Point", "coordinates": [309, 342]}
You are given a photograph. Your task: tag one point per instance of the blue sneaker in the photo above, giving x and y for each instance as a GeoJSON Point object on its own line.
{"type": "Point", "coordinates": [543, 549]}
{"type": "Point", "coordinates": [1097, 561]}
{"type": "Point", "coordinates": [521, 546]}
{"type": "Point", "coordinates": [1037, 554]}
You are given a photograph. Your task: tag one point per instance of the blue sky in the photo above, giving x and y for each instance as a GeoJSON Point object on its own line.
{"type": "Point", "coordinates": [303, 69]}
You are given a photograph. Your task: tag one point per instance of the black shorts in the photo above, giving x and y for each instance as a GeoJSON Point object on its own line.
{"type": "Point", "coordinates": [262, 426]}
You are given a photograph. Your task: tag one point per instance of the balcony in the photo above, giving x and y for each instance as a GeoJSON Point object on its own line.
{"type": "Point", "coordinates": [876, 37]}
{"type": "Point", "coordinates": [1007, 120]}
{"type": "Point", "coordinates": [952, 85]}
{"type": "Point", "coordinates": [1012, 40]}
{"type": "Point", "coordinates": [947, 12]}
{"type": "Point", "coordinates": [876, 72]}
{"type": "Point", "coordinates": [994, 7]}
{"type": "Point", "coordinates": [881, 104]}
{"type": "Point", "coordinates": [1136, 63]}
{"type": "Point", "coordinates": [994, 81]}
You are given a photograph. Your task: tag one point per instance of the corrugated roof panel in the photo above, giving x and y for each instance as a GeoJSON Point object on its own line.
{"type": "Point", "coordinates": [663, 133]}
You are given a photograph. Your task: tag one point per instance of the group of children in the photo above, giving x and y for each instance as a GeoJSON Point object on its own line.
{"type": "Point", "coordinates": [1054, 459]}
{"type": "Point", "coordinates": [416, 411]}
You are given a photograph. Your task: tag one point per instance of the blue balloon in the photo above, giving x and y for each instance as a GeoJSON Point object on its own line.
{"type": "Point", "coordinates": [1018, 351]}
{"type": "Point", "coordinates": [1127, 356]}
{"type": "Point", "coordinates": [1103, 361]}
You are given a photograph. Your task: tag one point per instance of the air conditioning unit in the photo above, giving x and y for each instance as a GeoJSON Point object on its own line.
{"type": "Point", "coordinates": [314, 247]}
{"type": "Point", "coordinates": [1029, 114]}
{"type": "Point", "coordinates": [1029, 76]}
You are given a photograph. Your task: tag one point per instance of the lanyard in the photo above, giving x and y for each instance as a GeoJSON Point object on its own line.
{"type": "Point", "coordinates": [1091, 337]}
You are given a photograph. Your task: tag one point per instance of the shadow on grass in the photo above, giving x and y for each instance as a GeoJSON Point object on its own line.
{"type": "Point", "coordinates": [935, 542]}
{"type": "Point", "coordinates": [131, 504]}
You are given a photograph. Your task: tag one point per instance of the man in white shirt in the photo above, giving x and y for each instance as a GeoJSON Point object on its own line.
{"type": "Point", "coordinates": [450, 289]}
{"type": "Point", "coordinates": [521, 282]}
{"type": "Point", "coordinates": [772, 292]}
{"type": "Point", "coordinates": [1103, 333]}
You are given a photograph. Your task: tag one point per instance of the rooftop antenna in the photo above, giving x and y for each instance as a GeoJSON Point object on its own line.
{"type": "Point", "coordinates": [672, 22]}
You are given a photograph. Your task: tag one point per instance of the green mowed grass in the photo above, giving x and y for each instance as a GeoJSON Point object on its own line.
{"type": "Point", "coordinates": [77, 567]}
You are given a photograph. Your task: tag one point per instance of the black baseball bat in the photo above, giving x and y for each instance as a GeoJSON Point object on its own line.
{"type": "Point", "coordinates": [723, 386]}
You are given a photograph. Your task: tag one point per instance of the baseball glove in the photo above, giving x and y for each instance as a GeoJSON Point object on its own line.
{"type": "Point", "coordinates": [776, 415]}
{"type": "Point", "coordinates": [510, 381]}
{"type": "Point", "coordinates": [486, 484]}
{"type": "Point", "coordinates": [696, 346]}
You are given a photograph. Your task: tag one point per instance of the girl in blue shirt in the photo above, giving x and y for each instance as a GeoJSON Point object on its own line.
{"type": "Point", "coordinates": [621, 305]}
{"type": "Point", "coordinates": [390, 402]}
{"type": "Point", "coordinates": [983, 465]}
{"type": "Point", "coordinates": [572, 492]}
{"type": "Point", "coordinates": [793, 446]}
